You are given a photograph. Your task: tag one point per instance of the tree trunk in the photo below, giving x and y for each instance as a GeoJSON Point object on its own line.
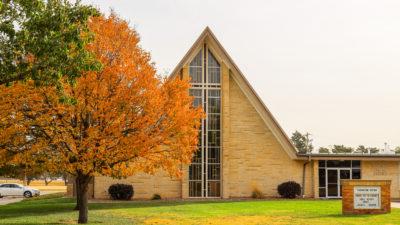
{"type": "Point", "coordinates": [65, 178]}
{"type": "Point", "coordinates": [78, 198]}
{"type": "Point", "coordinates": [82, 194]}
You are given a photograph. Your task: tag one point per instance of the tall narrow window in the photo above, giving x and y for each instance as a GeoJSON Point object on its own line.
{"type": "Point", "coordinates": [205, 169]}
{"type": "Point", "coordinates": [195, 69]}
{"type": "Point", "coordinates": [213, 69]}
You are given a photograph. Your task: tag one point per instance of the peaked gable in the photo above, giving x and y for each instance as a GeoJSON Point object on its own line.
{"type": "Point", "coordinates": [237, 75]}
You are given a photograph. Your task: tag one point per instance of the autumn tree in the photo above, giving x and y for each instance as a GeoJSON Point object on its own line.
{"type": "Point", "coordinates": [116, 121]}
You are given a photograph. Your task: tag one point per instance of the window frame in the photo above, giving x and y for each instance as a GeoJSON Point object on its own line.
{"type": "Point", "coordinates": [207, 88]}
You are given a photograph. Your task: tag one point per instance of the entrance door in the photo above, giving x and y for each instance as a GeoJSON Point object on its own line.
{"type": "Point", "coordinates": [333, 181]}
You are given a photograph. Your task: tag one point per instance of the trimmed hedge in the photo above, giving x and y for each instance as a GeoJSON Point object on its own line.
{"type": "Point", "coordinates": [289, 189]}
{"type": "Point", "coordinates": [156, 197]}
{"type": "Point", "coordinates": [121, 191]}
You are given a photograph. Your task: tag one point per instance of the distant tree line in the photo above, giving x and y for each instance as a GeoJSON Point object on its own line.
{"type": "Point", "coordinates": [303, 144]}
{"type": "Point", "coordinates": [29, 174]}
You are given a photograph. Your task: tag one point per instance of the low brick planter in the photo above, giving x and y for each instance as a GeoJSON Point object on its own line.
{"type": "Point", "coordinates": [365, 196]}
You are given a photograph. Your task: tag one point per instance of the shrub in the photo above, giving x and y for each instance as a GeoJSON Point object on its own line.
{"type": "Point", "coordinates": [156, 197]}
{"type": "Point", "coordinates": [289, 189]}
{"type": "Point", "coordinates": [257, 193]}
{"type": "Point", "coordinates": [121, 191]}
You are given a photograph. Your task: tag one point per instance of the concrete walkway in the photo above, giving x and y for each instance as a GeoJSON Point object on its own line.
{"type": "Point", "coordinates": [8, 200]}
{"type": "Point", "coordinates": [395, 204]}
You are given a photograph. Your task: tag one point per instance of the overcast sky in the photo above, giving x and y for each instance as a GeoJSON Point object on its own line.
{"type": "Point", "coordinates": [330, 68]}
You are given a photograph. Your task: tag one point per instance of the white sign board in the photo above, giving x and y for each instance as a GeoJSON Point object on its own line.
{"type": "Point", "coordinates": [367, 197]}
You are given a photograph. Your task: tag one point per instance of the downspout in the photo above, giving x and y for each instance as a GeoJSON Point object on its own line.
{"type": "Point", "coordinates": [304, 176]}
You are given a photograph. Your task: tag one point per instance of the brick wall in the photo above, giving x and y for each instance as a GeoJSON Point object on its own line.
{"type": "Point", "coordinates": [348, 196]}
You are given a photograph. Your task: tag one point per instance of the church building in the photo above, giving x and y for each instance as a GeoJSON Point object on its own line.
{"type": "Point", "coordinates": [242, 147]}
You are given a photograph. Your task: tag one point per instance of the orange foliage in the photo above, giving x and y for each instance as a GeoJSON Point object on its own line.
{"type": "Point", "coordinates": [118, 121]}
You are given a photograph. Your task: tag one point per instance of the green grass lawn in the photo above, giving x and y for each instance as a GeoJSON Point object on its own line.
{"type": "Point", "coordinates": [58, 210]}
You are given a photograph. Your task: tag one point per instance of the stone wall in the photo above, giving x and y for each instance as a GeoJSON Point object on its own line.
{"type": "Point", "coordinates": [382, 170]}
{"type": "Point", "coordinates": [255, 159]}
{"type": "Point", "coordinates": [145, 186]}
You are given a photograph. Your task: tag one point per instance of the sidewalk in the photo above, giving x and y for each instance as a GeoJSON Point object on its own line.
{"type": "Point", "coordinates": [8, 200]}
{"type": "Point", "coordinates": [395, 204]}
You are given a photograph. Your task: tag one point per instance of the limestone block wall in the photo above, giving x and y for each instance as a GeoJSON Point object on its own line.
{"type": "Point", "coordinates": [145, 186]}
{"type": "Point", "coordinates": [382, 170]}
{"type": "Point", "coordinates": [255, 157]}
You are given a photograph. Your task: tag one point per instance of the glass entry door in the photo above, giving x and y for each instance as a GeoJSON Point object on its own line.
{"type": "Point", "coordinates": [333, 181]}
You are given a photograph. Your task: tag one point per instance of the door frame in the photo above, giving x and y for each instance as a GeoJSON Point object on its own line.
{"type": "Point", "coordinates": [338, 169]}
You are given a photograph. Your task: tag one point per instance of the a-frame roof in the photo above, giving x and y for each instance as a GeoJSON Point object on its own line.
{"type": "Point", "coordinates": [245, 86]}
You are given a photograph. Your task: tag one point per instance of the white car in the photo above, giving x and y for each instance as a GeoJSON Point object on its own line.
{"type": "Point", "coordinates": [17, 190]}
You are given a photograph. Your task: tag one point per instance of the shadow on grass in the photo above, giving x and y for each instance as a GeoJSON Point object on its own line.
{"type": "Point", "coordinates": [56, 204]}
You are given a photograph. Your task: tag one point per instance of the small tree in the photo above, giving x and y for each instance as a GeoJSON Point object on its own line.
{"type": "Point", "coordinates": [323, 150]}
{"type": "Point", "coordinates": [302, 142]}
{"type": "Point", "coordinates": [341, 149]}
{"type": "Point", "coordinates": [373, 149]}
{"type": "Point", "coordinates": [115, 122]}
{"type": "Point", "coordinates": [361, 149]}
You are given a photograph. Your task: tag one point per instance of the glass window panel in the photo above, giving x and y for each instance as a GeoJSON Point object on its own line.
{"type": "Point", "coordinates": [197, 102]}
{"type": "Point", "coordinates": [214, 138]}
{"type": "Point", "coordinates": [321, 163]}
{"type": "Point", "coordinates": [195, 172]}
{"type": "Point", "coordinates": [356, 174]}
{"type": "Point", "coordinates": [214, 171]}
{"type": "Point", "coordinates": [195, 188]}
{"type": "Point", "coordinates": [338, 163]}
{"type": "Point", "coordinates": [197, 156]}
{"type": "Point", "coordinates": [195, 69]}
{"type": "Point", "coordinates": [214, 189]}
{"type": "Point", "coordinates": [322, 177]}
{"type": "Point", "coordinates": [344, 174]}
{"type": "Point", "coordinates": [214, 105]}
{"type": "Point", "coordinates": [214, 155]}
{"type": "Point", "coordinates": [214, 75]}
{"type": "Point", "coordinates": [214, 93]}
{"type": "Point", "coordinates": [332, 190]}
{"type": "Point", "coordinates": [214, 122]}
{"type": "Point", "coordinates": [195, 92]}
{"type": "Point", "coordinates": [322, 192]}
{"type": "Point", "coordinates": [332, 176]}
{"type": "Point", "coordinates": [355, 163]}
{"type": "Point", "coordinates": [212, 62]}
{"type": "Point", "coordinates": [197, 61]}
{"type": "Point", "coordinates": [195, 74]}
{"type": "Point", "coordinates": [214, 70]}
{"type": "Point", "coordinates": [199, 139]}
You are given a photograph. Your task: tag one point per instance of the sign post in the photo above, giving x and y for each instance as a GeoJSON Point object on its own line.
{"type": "Point", "coordinates": [365, 196]}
